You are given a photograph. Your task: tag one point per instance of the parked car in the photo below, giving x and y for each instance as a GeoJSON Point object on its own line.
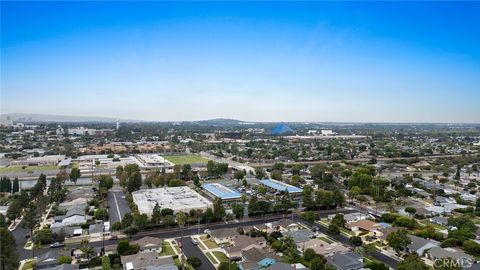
{"type": "Point", "coordinates": [27, 236]}
{"type": "Point", "coordinates": [57, 245]}
{"type": "Point", "coordinates": [194, 241]}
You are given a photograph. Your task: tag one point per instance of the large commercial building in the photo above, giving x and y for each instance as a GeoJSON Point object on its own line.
{"type": "Point", "coordinates": [153, 161]}
{"type": "Point", "coordinates": [277, 186]}
{"type": "Point", "coordinates": [216, 190]}
{"type": "Point", "coordinates": [176, 198]}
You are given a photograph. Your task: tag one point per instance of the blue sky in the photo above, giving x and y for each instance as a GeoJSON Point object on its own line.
{"type": "Point", "coordinates": [256, 61]}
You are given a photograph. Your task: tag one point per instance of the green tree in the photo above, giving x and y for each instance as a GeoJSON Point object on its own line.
{"type": "Point", "coordinates": [411, 211]}
{"type": "Point", "coordinates": [218, 209]}
{"type": "Point", "coordinates": [181, 220]}
{"type": "Point", "coordinates": [64, 259]}
{"type": "Point", "coordinates": [134, 182]}
{"type": "Point", "coordinates": [317, 264]}
{"type": "Point", "coordinates": [141, 221]}
{"type": "Point", "coordinates": [238, 210]}
{"type": "Point", "coordinates": [87, 250]}
{"type": "Point", "coordinates": [16, 186]}
{"type": "Point", "coordinates": [333, 229]}
{"type": "Point", "coordinates": [339, 220]}
{"type": "Point", "coordinates": [9, 259]}
{"type": "Point", "coordinates": [106, 263]}
{"type": "Point", "coordinates": [30, 221]}
{"type": "Point", "coordinates": [398, 240]}
{"type": "Point", "coordinates": [356, 241]}
{"type": "Point", "coordinates": [156, 214]}
{"type": "Point", "coordinates": [43, 237]}
{"type": "Point", "coordinates": [412, 262]}
{"type": "Point", "coordinates": [74, 174]}
{"type": "Point", "coordinates": [228, 266]}
{"type": "Point", "coordinates": [195, 262]}
{"type": "Point", "coordinates": [123, 247]}
{"type": "Point", "coordinates": [105, 181]}
{"type": "Point", "coordinates": [14, 211]}
{"type": "Point", "coordinates": [239, 175]}
{"type": "Point", "coordinates": [259, 173]}
{"type": "Point", "coordinates": [101, 214]}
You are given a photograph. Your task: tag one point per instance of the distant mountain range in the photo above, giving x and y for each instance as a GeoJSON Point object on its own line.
{"type": "Point", "coordinates": [29, 117]}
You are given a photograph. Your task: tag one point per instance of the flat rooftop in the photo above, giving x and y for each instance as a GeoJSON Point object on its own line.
{"type": "Point", "coordinates": [221, 191]}
{"type": "Point", "coordinates": [176, 198]}
{"type": "Point", "coordinates": [280, 186]}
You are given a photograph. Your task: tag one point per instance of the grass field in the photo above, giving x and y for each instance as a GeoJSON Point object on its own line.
{"type": "Point", "coordinates": [221, 257]}
{"type": "Point", "coordinates": [167, 249]}
{"type": "Point", "coordinates": [436, 226]}
{"type": "Point", "coordinates": [326, 240]}
{"type": "Point", "coordinates": [208, 242]}
{"type": "Point", "coordinates": [29, 265]}
{"type": "Point", "coordinates": [211, 257]}
{"type": "Point", "coordinates": [185, 159]}
{"type": "Point", "coordinates": [17, 169]}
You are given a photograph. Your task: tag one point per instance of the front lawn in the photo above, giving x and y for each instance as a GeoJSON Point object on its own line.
{"type": "Point", "coordinates": [221, 257]}
{"type": "Point", "coordinates": [167, 249]}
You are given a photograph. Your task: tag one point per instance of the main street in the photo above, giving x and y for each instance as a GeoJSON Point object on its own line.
{"type": "Point", "coordinates": [171, 232]}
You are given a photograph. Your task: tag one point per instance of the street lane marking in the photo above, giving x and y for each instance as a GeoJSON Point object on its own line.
{"type": "Point", "coordinates": [116, 204]}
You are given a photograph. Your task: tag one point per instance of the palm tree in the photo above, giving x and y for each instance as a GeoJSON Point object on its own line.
{"type": "Point", "coordinates": [87, 249]}
{"type": "Point", "coordinates": [181, 220]}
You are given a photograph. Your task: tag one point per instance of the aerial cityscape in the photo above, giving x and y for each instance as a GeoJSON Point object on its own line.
{"type": "Point", "coordinates": [239, 135]}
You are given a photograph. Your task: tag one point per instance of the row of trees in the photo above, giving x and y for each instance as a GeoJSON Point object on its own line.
{"type": "Point", "coordinates": [321, 199]}
{"type": "Point", "coordinates": [7, 186]}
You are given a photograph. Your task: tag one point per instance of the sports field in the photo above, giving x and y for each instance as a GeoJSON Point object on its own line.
{"type": "Point", "coordinates": [17, 169]}
{"type": "Point", "coordinates": [186, 159]}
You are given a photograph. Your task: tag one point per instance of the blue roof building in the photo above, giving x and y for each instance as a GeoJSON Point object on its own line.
{"type": "Point", "coordinates": [217, 190]}
{"type": "Point", "coordinates": [278, 186]}
{"type": "Point", "coordinates": [281, 129]}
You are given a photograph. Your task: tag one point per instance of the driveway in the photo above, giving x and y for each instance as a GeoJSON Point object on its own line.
{"type": "Point", "coordinates": [118, 206]}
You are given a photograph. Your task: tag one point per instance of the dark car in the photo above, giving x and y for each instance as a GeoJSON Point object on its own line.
{"type": "Point", "coordinates": [57, 245]}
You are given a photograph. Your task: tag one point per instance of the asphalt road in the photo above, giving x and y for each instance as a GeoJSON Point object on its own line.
{"type": "Point", "coordinates": [192, 250]}
{"type": "Point", "coordinates": [19, 234]}
{"type": "Point", "coordinates": [174, 232]}
{"type": "Point", "coordinates": [118, 206]}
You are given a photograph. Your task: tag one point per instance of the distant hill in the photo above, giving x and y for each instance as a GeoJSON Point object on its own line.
{"type": "Point", "coordinates": [221, 122]}
{"type": "Point", "coordinates": [29, 117]}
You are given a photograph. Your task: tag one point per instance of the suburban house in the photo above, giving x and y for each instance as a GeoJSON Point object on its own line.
{"type": "Point", "coordinates": [98, 230]}
{"type": "Point", "coordinates": [283, 226]}
{"type": "Point", "coordinates": [436, 253]}
{"type": "Point", "coordinates": [242, 243]}
{"type": "Point", "coordinates": [353, 217]}
{"type": "Point", "coordinates": [383, 233]}
{"type": "Point", "coordinates": [281, 266]}
{"type": "Point", "coordinates": [363, 226]}
{"type": "Point", "coordinates": [63, 267]}
{"type": "Point", "coordinates": [346, 261]}
{"type": "Point", "coordinates": [74, 216]}
{"type": "Point", "coordinates": [223, 236]}
{"type": "Point", "coordinates": [442, 221]}
{"type": "Point", "coordinates": [420, 245]}
{"type": "Point", "coordinates": [258, 258]}
{"type": "Point", "coordinates": [147, 260]}
{"type": "Point", "coordinates": [300, 236]}
{"type": "Point", "coordinates": [149, 243]}
{"type": "Point", "coordinates": [321, 247]}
